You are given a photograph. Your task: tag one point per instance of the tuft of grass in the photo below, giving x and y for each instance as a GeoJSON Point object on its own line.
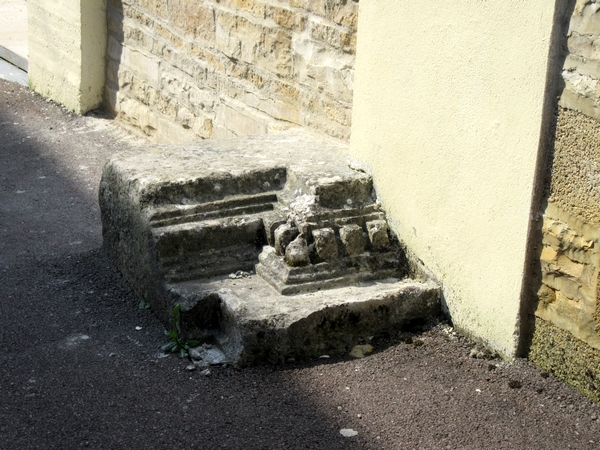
{"type": "Point", "coordinates": [178, 345]}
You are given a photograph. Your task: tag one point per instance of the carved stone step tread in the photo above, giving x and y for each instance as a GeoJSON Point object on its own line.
{"type": "Point", "coordinates": [255, 322]}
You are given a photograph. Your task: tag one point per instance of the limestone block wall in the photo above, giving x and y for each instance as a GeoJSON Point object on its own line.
{"type": "Point", "coordinates": [581, 71]}
{"type": "Point", "coordinates": [182, 70]}
{"type": "Point", "coordinates": [570, 261]}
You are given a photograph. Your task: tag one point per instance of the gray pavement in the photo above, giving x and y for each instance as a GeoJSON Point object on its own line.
{"type": "Point", "coordinates": [9, 72]}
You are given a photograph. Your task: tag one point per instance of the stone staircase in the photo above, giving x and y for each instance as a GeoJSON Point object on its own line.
{"type": "Point", "coordinates": [274, 246]}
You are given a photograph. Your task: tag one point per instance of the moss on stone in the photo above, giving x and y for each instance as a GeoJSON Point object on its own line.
{"type": "Point", "coordinates": [546, 295]}
{"type": "Point", "coordinates": [568, 358]}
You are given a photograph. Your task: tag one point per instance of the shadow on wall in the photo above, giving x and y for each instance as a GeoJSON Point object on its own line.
{"type": "Point", "coordinates": [114, 51]}
{"type": "Point", "coordinates": [533, 270]}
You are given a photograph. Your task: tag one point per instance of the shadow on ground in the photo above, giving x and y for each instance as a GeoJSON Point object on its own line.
{"type": "Point", "coordinates": [80, 361]}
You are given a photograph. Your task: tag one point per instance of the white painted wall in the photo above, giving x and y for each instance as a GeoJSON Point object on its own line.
{"type": "Point", "coordinates": [447, 114]}
{"type": "Point", "coordinates": [67, 42]}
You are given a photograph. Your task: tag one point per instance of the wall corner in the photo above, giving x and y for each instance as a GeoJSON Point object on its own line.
{"type": "Point", "coordinates": [67, 44]}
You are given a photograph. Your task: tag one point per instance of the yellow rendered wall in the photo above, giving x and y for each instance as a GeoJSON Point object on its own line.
{"type": "Point", "coordinates": [67, 42]}
{"type": "Point", "coordinates": [93, 53]}
{"type": "Point", "coordinates": [448, 111]}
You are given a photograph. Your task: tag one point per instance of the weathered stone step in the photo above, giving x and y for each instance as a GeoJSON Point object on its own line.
{"type": "Point", "coordinates": [252, 322]}
{"type": "Point", "coordinates": [330, 280]}
{"type": "Point", "coordinates": [178, 220]}
{"type": "Point", "coordinates": [217, 186]}
{"type": "Point", "coordinates": [327, 274]}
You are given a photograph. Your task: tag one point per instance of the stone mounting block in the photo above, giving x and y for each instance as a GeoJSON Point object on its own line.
{"type": "Point", "coordinates": [317, 266]}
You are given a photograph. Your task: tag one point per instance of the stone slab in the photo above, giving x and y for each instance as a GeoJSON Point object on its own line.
{"type": "Point", "coordinates": [256, 322]}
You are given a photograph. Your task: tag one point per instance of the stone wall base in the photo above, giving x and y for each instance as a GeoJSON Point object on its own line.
{"type": "Point", "coordinates": [566, 357]}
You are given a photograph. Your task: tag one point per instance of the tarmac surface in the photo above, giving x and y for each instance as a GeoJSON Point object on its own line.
{"type": "Point", "coordinates": [81, 366]}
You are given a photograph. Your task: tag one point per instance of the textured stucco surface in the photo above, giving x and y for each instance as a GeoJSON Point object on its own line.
{"type": "Point", "coordinates": [575, 176]}
{"type": "Point", "coordinates": [67, 42]}
{"type": "Point", "coordinates": [454, 155]}
{"type": "Point", "coordinates": [567, 357]}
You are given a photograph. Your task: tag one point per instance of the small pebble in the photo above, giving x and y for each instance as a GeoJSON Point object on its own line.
{"type": "Point", "coordinates": [360, 351]}
{"type": "Point", "coordinates": [348, 432]}
{"type": "Point", "coordinates": [191, 368]}
{"type": "Point", "coordinates": [206, 373]}
{"type": "Point", "coordinates": [515, 384]}
{"type": "Point", "coordinates": [324, 357]}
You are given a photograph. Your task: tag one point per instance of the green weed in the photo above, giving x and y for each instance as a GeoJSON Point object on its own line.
{"type": "Point", "coordinates": [177, 345]}
{"type": "Point", "coordinates": [143, 303]}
